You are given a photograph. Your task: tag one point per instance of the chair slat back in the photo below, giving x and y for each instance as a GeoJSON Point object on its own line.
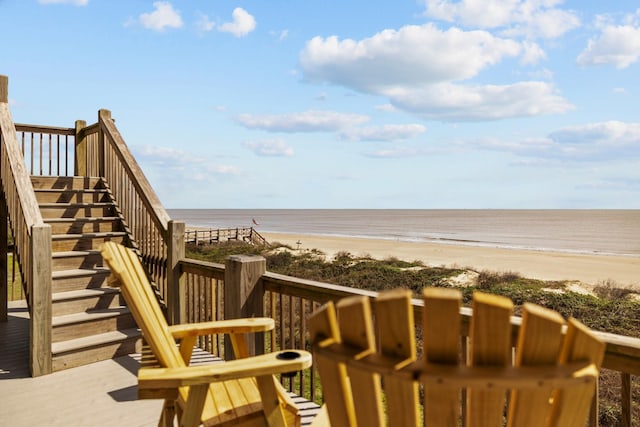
{"type": "Point", "coordinates": [539, 343]}
{"type": "Point", "coordinates": [127, 273]}
{"type": "Point", "coordinates": [396, 337]}
{"type": "Point", "coordinates": [373, 379]}
{"type": "Point", "coordinates": [441, 327]}
{"type": "Point", "coordinates": [490, 334]}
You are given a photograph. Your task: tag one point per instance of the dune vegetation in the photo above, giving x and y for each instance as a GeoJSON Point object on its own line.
{"type": "Point", "coordinates": [605, 307]}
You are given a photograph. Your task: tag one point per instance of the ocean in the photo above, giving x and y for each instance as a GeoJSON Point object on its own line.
{"type": "Point", "coordinates": [606, 232]}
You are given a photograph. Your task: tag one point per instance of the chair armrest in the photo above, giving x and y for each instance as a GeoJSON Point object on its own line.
{"type": "Point", "coordinates": [234, 326]}
{"type": "Point", "coordinates": [266, 364]}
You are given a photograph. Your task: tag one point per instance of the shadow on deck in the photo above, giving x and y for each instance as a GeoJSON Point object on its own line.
{"type": "Point", "coordinates": [102, 393]}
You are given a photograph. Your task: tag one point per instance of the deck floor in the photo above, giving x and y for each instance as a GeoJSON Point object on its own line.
{"type": "Point", "coordinates": [99, 394]}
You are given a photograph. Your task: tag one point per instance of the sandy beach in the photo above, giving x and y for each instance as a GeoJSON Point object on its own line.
{"type": "Point", "coordinates": [588, 269]}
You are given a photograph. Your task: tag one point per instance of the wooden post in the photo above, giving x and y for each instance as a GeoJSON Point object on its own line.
{"type": "Point", "coordinates": [4, 237]}
{"type": "Point", "coordinates": [103, 115]}
{"type": "Point", "coordinates": [176, 308]}
{"type": "Point", "coordinates": [4, 89]}
{"type": "Point", "coordinates": [40, 297]}
{"type": "Point", "coordinates": [243, 292]}
{"type": "Point", "coordinates": [80, 155]}
{"type": "Point", "coordinates": [626, 398]}
{"type": "Point", "coordinates": [4, 259]}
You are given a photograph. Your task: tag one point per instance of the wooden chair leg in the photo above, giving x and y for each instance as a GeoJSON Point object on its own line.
{"type": "Point", "coordinates": [168, 414]}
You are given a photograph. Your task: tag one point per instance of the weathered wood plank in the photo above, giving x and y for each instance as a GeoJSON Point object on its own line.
{"type": "Point", "coordinates": [40, 298]}
{"type": "Point", "coordinates": [4, 258]}
{"type": "Point", "coordinates": [4, 89]}
{"type": "Point", "coordinates": [441, 345]}
{"type": "Point", "coordinates": [49, 130]}
{"type": "Point", "coordinates": [175, 280]}
{"type": "Point", "coordinates": [243, 293]}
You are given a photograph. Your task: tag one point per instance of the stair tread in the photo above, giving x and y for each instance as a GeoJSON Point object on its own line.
{"type": "Point", "coordinates": [94, 340]}
{"type": "Point", "coordinates": [70, 190]}
{"type": "Point", "coordinates": [81, 235]}
{"type": "Point", "coordinates": [87, 316]}
{"type": "Point", "coordinates": [82, 219]}
{"type": "Point", "coordinates": [76, 272]}
{"type": "Point", "coordinates": [82, 293]}
{"type": "Point", "coordinates": [71, 254]}
{"type": "Point", "coordinates": [69, 205]}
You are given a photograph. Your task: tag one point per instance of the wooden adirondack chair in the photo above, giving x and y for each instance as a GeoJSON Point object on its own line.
{"type": "Point", "coordinates": [372, 379]}
{"type": "Point", "coordinates": [239, 392]}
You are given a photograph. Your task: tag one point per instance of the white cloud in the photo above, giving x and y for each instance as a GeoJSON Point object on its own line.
{"type": "Point", "coordinates": [72, 2]}
{"type": "Point", "coordinates": [453, 102]}
{"type": "Point", "coordinates": [280, 35]}
{"type": "Point", "coordinates": [203, 24]}
{"type": "Point", "coordinates": [162, 154]}
{"type": "Point", "coordinates": [617, 45]}
{"type": "Point", "coordinates": [529, 18]}
{"type": "Point", "coordinates": [164, 16]}
{"type": "Point", "coordinates": [383, 133]}
{"type": "Point", "coordinates": [598, 142]}
{"type": "Point", "coordinates": [243, 23]}
{"type": "Point", "coordinates": [180, 164]}
{"type": "Point", "coordinates": [307, 121]}
{"type": "Point", "coordinates": [413, 55]}
{"type": "Point", "coordinates": [388, 108]}
{"type": "Point", "coordinates": [532, 53]}
{"type": "Point", "coordinates": [223, 170]}
{"type": "Point", "coordinates": [270, 148]}
{"type": "Point", "coordinates": [612, 133]}
{"type": "Point", "coordinates": [422, 69]}
{"type": "Point", "coordinates": [402, 152]}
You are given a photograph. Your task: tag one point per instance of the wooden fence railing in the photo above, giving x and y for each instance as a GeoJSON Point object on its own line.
{"type": "Point", "coordinates": [289, 301]}
{"type": "Point", "coordinates": [221, 235]}
{"type": "Point", "coordinates": [47, 150]}
{"type": "Point", "coordinates": [32, 239]}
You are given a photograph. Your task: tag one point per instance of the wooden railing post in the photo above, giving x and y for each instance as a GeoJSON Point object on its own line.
{"type": "Point", "coordinates": [626, 398]}
{"type": "Point", "coordinates": [4, 98]}
{"type": "Point", "coordinates": [40, 298]}
{"type": "Point", "coordinates": [176, 308]}
{"type": "Point", "coordinates": [4, 89]}
{"type": "Point", "coordinates": [80, 155]}
{"type": "Point", "coordinates": [243, 292]}
{"type": "Point", "coordinates": [4, 259]}
{"type": "Point", "coordinates": [102, 115]}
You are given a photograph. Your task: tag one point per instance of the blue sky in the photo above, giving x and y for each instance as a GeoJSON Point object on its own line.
{"type": "Point", "coordinates": [334, 104]}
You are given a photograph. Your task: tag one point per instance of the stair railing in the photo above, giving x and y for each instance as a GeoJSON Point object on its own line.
{"type": "Point", "coordinates": [159, 240]}
{"type": "Point", "coordinates": [32, 237]}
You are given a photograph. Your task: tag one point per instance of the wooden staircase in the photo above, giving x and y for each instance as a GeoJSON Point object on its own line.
{"type": "Point", "coordinates": [90, 320]}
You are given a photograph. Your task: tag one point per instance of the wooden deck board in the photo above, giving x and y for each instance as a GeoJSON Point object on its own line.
{"type": "Point", "coordinates": [102, 393]}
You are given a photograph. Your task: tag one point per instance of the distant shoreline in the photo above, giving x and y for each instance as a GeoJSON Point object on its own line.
{"type": "Point", "coordinates": [453, 242]}
{"type": "Point", "coordinates": [590, 269]}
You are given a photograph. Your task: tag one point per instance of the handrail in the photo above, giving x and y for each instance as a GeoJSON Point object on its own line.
{"type": "Point", "coordinates": [54, 130]}
{"type": "Point", "coordinates": [22, 205]}
{"type": "Point", "coordinates": [32, 237]}
{"type": "Point", "coordinates": [144, 190]}
{"type": "Point", "coordinates": [14, 162]}
{"type": "Point", "coordinates": [145, 218]}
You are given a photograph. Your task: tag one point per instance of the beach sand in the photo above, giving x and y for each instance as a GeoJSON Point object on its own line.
{"type": "Point", "coordinates": [588, 269]}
